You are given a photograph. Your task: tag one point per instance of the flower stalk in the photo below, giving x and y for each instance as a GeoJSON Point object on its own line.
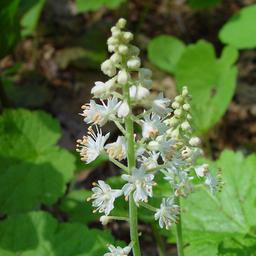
{"type": "Point", "coordinates": [179, 237]}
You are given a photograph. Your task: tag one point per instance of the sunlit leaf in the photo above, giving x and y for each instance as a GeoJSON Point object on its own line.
{"type": "Point", "coordinates": [224, 224]}
{"type": "Point", "coordinates": [211, 81]}
{"type": "Point", "coordinates": [164, 51]}
{"type": "Point", "coordinates": [240, 30]}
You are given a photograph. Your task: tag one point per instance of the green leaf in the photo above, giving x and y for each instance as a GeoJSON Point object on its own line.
{"type": "Point", "coordinates": [31, 11]}
{"type": "Point", "coordinates": [240, 30]}
{"type": "Point", "coordinates": [211, 82]}
{"type": "Point", "coordinates": [93, 5]}
{"type": "Point", "coordinates": [201, 4]}
{"type": "Point", "coordinates": [77, 208]}
{"type": "Point", "coordinates": [33, 169]}
{"type": "Point", "coordinates": [164, 51]}
{"type": "Point", "coordinates": [224, 224]}
{"type": "Point", "coordinates": [9, 33]}
{"type": "Point", "coordinates": [38, 233]}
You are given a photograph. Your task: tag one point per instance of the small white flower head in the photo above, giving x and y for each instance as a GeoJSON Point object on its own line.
{"type": "Point", "coordinates": [118, 251]}
{"type": "Point", "coordinates": [103, 197]}
{"type": "Point", "coordinates": [123, 110]}
{"type": "Point", "coordinates": [100, 114]}
{"type": "Point", "coordinates": [108, 68]}
{"type": "Point", "coordinates": [92, 145]}
{"type": "Point", "coordinates": [167, 213]}
{"type": "Point", "coordinates": [202, 170]}
{"type": "Point", "coordinates": [104, 220]}
{"type": "Point", "coordinates": [139, 92]}
{"type": "Point", "coordinates": [150, 161]}
{"type": "Point", "coordinates": [140, 183]}
{"type": "Point", "coordinates": [160, 105]}
{"type": "Point", "coordinates": [152, 126]}
{"type": "Point", "coordinates": [122, 77]}
{"type": "Point", "coordinates": [195, 142]}
{"type": "Point", "coordinates": [180, 181]}
{"type": "Point", "coordinates": [117, 150]}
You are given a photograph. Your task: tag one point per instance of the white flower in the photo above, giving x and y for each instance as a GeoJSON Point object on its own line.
{"type": "Point", "coordinates": [118, 251]}
{"type": "Point", "coordinates": [123, 110]}
{"type": "Point", "coordinates": [108, 68]}
{"type": "Point", "coordinates": [138, 92]}
{"type": "Point", "coordinates": [117, 150]}
{"type": "Point", "coordinates": [152, 126]}
{"type": "Point", "coordinates": [160, 105]}
{"type": "Point", "coordinates": [167, 213]}
{"type": "Point", "coordinates": [100, 114]}
{"type": "Point", "coordinates": [180, 181]}
{"type": "Point", "coordinates": [211, 182]}
{"type": "Point", "coordinates": [91, 146]}
{"type": "Point", "coordinates": [201, 170]}
{"type": "Point", "coordinates": [151, 161]}
{"type": "Point", "coordinates": [140, 183]}
{"type": "Point", "coordinates": [103, 90]}
{"type": "Point", "coordinates": [103, 197]}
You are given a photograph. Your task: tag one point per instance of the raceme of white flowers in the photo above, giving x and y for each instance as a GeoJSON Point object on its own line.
{"type": "Point", "coordinates": [165, 147]}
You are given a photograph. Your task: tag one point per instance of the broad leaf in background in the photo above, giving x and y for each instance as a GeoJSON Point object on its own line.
{"type": "Point", "coordinates": [224, 224]}
{"type": "Point", "coordinates": [33, 169]}
{"type": "Point", "coordinates": [164, 51]}
{"type": "Point", "coordinates": [9, 32]}
{"type": "Point", "coordinates": [240, 30]}
{"type": "Point", "coordinates": [93, 5]}
{"type": "Point", "coordinates": [200, 4]}
{"type": "Point", "coordinates": [31, 11]}
{"type": "Point", "coordinates": [211, 81]}
{"type": "Point", "coordinates": [77, 208]}
{"type": "Point", "coordinates": [38, 233]}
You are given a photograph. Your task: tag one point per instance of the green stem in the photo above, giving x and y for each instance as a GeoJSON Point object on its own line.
{"type": "Point", "coordinates": [179, 232]}
{"type": "Point", "coordinates": [131, 164]}
{"type": "Point", "coordinates": [159, 240]}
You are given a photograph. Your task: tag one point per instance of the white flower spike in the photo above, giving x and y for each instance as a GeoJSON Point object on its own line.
{"type": "Point", "coordinates": [118, 251]}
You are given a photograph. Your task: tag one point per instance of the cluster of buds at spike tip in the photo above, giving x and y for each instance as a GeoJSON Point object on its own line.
{"type": "Point", "coordinates": [166, 144]}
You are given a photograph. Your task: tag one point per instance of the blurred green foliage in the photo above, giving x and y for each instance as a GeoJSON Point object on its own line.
{"type": "Point", "coordinates": [201, 4]}
{"type": "Point", "coordinates": [240, 30]}
{"type": "Point", "coordinates": [93, 5]}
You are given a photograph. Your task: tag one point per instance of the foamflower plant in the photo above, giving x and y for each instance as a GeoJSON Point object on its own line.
{"type": "Point", "coordinates": [165, 146]}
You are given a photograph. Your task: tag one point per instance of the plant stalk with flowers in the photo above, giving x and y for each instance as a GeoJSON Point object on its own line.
{"type": "Point", "coordinates": [165, 146]}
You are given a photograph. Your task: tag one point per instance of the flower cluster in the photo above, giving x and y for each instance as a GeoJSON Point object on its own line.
{"type": "Point", "coordinates": [165, 147]}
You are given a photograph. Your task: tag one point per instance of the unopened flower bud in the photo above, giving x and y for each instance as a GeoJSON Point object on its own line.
{"type": "Point", "coordinates": [139, 92]}
{"type": "Point", "coordinates": [111, 48]}
{"type": "Point", "coordinates": [185, 126]}
{"type": "Point", "coordinates": [123, 110]}
{"type": "Point", "coordinates": [178, 98]}
{"type": "Point", "coordinates": [123, 49]}
{"type": "Point", "coordinates": [133, 63]}
{"type": "Point", "coordinates": [133, 50]}
{"type": "Point", "coordinates": [175, 105]}
{"type": "Point", "coordinates": [108, 68]}
{"type": "Point", "coordinates": [186, 107]}
{"type": "Point", "coordinates": [201, 170]}
{"type": "Point", "coordinates": [104, 220]}
{"type": "Point", "coordinates": [116, 58]}
{"type": "Point", "coordinates": [195, 141]}
{"type": "Point", "coordinates": [189, 117]}
{"type": "Point", "coordinates": [153, 145]}
{"type": "Point", "coordinates": [127, 36]}
{"type": "Point", "coordinates": [178, 112]}
{"type": "Point", "coordinates": [121, 23]}
{"type": "Point", "coordinates": [122, 77]}
{"type": "Point", "coordinates": [112, 40]}
{"type": "Point", "coordinates": [184, 91]}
